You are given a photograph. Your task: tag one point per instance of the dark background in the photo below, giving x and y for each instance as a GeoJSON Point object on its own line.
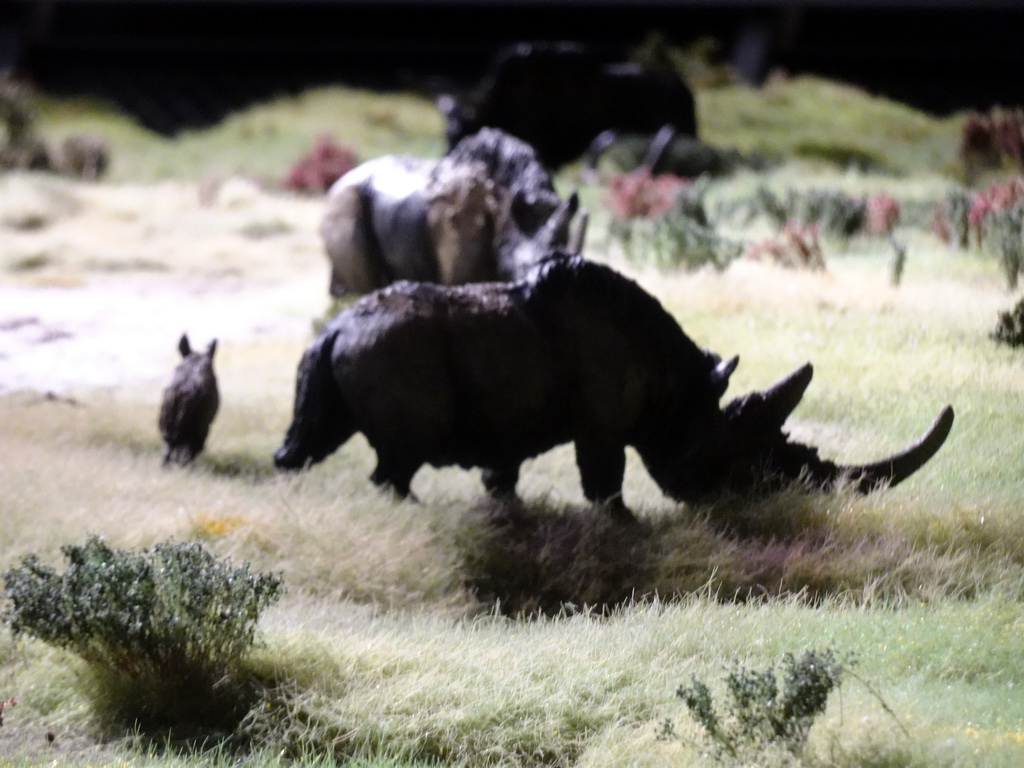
{"type": "Point", "coordinates": [186, 63]}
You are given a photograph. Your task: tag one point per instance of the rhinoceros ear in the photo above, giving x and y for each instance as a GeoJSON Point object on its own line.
{"type": "Point", "coordinates": [561, 219]}
{"type": "Point", "coordinates": [579, 233]}
{"type": "Point", "coordinates": [721, 373]}
{"type": "Point", "coordinates": [183, 346]}
{"type": "Point", "coordinates": [654, 162]}
{"type": "Point", "coordinates": [456, 117]}
{"type": "Point", "coordinates": [572, 204]}
{"type": "Point", "coordinates": [451, 108]}
{"type": "Point", "coordinates": [211, 348]}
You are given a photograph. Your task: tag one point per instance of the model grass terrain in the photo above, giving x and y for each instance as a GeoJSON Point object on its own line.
{"type": "Point", "coordinates": [458, 631]}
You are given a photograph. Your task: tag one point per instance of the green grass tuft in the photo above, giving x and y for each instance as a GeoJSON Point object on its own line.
{"type": "Point", "coordinates": [818, 119]}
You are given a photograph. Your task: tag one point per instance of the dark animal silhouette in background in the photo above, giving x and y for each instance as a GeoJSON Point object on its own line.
{"type": "Point", "coordinates": [669, 152]}
{"type": "Point", "coordinates": [189, 405]}
{"type": "Point", "coordinates": [559, 98]}
{"type": "Point", "coordinates": [486, 211]}
{"type": "Point", "coordinates": [489, 375]}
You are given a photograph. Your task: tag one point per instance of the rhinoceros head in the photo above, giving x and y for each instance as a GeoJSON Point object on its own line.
{"type": "Point", "coordinates": [746, 449]}
{"type": "Point", "coordinates": [459, 120]}
{"type": "Point", "coordinates": [538, 224]}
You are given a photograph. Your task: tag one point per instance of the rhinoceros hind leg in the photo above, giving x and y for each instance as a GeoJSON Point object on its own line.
{"type": "Point", "coordinates": [500, 482]}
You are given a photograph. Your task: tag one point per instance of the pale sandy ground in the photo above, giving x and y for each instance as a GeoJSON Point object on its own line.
{"type": "Point", "coordinates": [97, 282]}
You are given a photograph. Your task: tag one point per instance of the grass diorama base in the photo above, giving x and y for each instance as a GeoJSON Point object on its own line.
{"type": "Point", "coordinates": [460, 631]}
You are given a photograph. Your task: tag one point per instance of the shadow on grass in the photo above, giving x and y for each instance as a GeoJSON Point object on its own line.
{"type": "Point", "coordinates": [542, 559]}
{"type": "Point", "coordinates": [228, 464]}
{"type": "Point", "coordinates": [238, 465]}
{"type": "Point", "coordinates": [180, 719]}
{"type": "Point", "coordinates": [536, 559]}
{"type": "Point", "coordinates": [220, 463]}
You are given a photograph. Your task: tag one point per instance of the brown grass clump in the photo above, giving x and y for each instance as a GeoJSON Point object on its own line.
{"type": "Point", "coordinates": [797, 246]}
{"type": "Point", "coordinates": [324, 164]}
{"type": "Point", "coordinates": [986, 204]}
{"type": "Point", "coordinates": [640, 195]}
{"type": "Point", "coordinates": [992, 140]}
{"type": "Point", "coordinates": [882, 213]}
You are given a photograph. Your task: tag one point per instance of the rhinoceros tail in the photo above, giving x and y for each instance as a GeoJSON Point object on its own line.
{"type": "Point", "coordinates": [321, 421]}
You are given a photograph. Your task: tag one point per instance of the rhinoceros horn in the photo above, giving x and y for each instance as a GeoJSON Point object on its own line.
{"type": "Point", "coordinates": [561, 219]}
{"type": "Point", "coordinates": [765, 412]}
{"type": "Point", "coordinates": [579, 234]}
{"type": "Point", "coordinates": [784, 396]}
{"type": "Point", "coordinates": [760, 416]}
{"type": "Point", "coordinates": [898, 467]}
{"type": "Point", "coordinates": [654, 162]}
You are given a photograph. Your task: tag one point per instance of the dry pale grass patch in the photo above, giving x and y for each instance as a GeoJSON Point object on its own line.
{"type": "Point", "coordinates": [100, 295]}
{"type": "Point", "coordinates": [83, 468]}
{"type": "Point", "coordinates": [347, 680]}
{"type": "Point", "coordinates": [583, 690]}
{"type": "Point", "coordinates": [179, 227]}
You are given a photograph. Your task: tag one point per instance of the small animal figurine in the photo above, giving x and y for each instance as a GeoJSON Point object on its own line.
{"type": "Point", "coordinates": [190, 404]}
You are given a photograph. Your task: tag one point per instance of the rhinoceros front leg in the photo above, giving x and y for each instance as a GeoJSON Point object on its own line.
{"type": "Point", "coordinates": [500, 482]}
{"type": "Point", "coordinates": [602, 468]}
{"type": "Point", "coordinates": [394, 474]}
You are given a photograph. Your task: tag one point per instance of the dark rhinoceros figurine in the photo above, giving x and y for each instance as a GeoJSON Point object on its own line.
{"type": "Point", "coordinates": [562, 97]}
{"type": "Point", "coordinates": [189, 405]}
{"type": "Point", "coordinates": [490, 375]}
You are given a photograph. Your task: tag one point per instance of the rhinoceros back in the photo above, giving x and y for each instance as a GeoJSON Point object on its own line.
{"type": "Point", "coordinates": [454, 375]}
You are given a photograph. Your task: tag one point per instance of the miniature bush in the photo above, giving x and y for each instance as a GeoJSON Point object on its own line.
{"type": "Point", "coordinates": [797, 246]}
{"type": "Point", "coordinates": [1005, 235]}
{"type": "Point", "coordinates": [833, 211]}
{"type": "Point", "coordinates": [683, 237]}
{"type": "Point", "coordinates": [682, 242]}
{"type": "Point", "coordinates": [760, 713]}
{"type": "Point", "coordinates": [20, 147]}
{"type": "Point", "coordinates": [882, 213]}
{"type": "Point", "coordinates": [640, 195]}
{"type": "Point", "coordinates": [662, 220]}
{"type": "Point", "coordinates": [324, 164]}
{"type": "Point", "coordinates": [950, 220]}
{"type": "Point", "coordinates": [899, 260]}
{"type": "Point", "coordinates": [993, 140]}
{"type": "Point", "coordinates": [11, 702]}
{"type": "Point", "coordinates": [81, 155]}
{"type": "Point", "coordinates": [993, 218]}
{"type": "Point", "coordinates": [165, 628]}
{"type": "Point", "coordinates": [996, 219]}
{"type": "Point", "coordinates": [1010, 326]}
